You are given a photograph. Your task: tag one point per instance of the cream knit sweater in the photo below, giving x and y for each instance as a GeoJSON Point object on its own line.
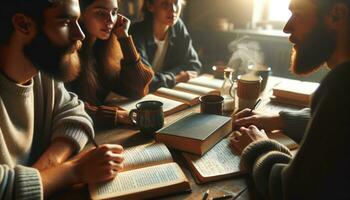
{"type": "Point", "coordinates": [30, 117]}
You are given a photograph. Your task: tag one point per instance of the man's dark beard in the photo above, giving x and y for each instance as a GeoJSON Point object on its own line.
{"type": "Point", "coordinates": [314, 51]}
{"type": "Point", "coordinates": [62, 63]}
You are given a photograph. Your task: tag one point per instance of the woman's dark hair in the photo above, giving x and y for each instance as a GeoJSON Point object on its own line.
{"type": "Point", "coordinates": [145, 13]}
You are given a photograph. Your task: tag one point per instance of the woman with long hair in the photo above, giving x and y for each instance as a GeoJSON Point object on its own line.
{"type": "Point", "coordinates": [165, 44]}
{"type": "Point", "coordinates": [110, 62]}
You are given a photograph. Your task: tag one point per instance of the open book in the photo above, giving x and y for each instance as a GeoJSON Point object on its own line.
{"type": "Point", "coordinates": [222, 162]}
{"type": "Point", "coordinates": [218, 163]}
{"type": "Point", "coordinates": [149, 171]}
{"type": "Point", "coordinates": [207, 81]}
{"type": "Point", "coordinates": [181, 96]}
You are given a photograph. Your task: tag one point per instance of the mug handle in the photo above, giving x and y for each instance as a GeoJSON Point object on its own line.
{"type": "Point", "coordinates": [131, 116]}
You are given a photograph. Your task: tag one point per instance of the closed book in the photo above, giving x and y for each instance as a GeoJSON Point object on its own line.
{"type": "Point", "coordinates": [295, 90]}
{"type": "Point", "coordinates": [196, 133]}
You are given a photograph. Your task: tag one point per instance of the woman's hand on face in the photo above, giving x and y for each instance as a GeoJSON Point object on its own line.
{"type": "Point", "coordinates": [121, 28]}
{"type": "Point", "coordinates": [98, 164]}
{"type": "Point", "coordinates": [268, 122]}
{"type": "Point", "coordinates": [242, 138]}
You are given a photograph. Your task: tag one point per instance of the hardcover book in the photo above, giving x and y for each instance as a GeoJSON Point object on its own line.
{"type": "Point", "coordinates": [294, 92]}
{"type": "Point", "coordinates": [195, 133]}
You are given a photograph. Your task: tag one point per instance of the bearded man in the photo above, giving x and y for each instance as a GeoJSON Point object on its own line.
{"type": "Point", "coordinates": [41, 124]}
{"type": "Point", "coordinates": [320, 32]}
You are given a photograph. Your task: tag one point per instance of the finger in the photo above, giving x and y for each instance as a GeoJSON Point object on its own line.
{"type": "Point", "coordinates": [243, 113]}
{"type": "Point", "coordinates": [236, 147]}
{"type": "Point", "coordinates": [118, 158]}
{"type": "Point", "coordinates": [114, 166]}
{"type": "Point", "coordinates": [110, 156]}
{"type": "Point", "coordinates": [245, 121]}
{"type": "Point", "coordinates": [253, 128]}
{"type": "Point", "coordinates": [116, 148]}
{"type": "Point", "coordinates": [243, 130]}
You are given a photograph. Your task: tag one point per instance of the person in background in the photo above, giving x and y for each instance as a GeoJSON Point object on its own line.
{"type": "Point", "coordinates": [110, 62]}
{"type": "Point", "coordinates": [41, 124]}
{"type": "Point", "coordinates": [320, 32]}
{"type": "Point", "coordinates": [165, 44]}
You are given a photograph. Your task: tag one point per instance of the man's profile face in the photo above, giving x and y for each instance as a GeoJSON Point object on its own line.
{"type": "Point", "coordinates": [54, 48]}
{"type": "Point", "coordinates": [313, 41]}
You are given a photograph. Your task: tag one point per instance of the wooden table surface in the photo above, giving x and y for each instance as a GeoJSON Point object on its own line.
{"type": "Point", "coordinates": [129, 136]}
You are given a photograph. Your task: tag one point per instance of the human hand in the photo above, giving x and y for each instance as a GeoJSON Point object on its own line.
{"type": "Point", "coordinates": [123, 117]}
{"type": "Point", "coordinates": [98, 164]}
{"type": "Point", "coordinates": [192, 74]}
{"type": "Point", "coordinates": [268, 122]}
{"type": "Point", "coordinates": [122, 26]}
{"type": "Point", "coordinates": [182, 77]}
{"type": "Point", "coordinates": [242, 138]}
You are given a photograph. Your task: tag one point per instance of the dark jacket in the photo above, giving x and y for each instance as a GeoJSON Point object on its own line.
{"type": "Point", "coordinates": [180, 55]}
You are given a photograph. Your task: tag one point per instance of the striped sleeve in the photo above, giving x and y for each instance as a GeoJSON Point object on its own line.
{"type": "Point", "coordinates": [22, 183]}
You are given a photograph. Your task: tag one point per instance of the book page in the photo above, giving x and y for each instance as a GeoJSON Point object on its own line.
{"type": "Point", "coordinates": [207, 81]}
{"type": "Point", "coordinates": [177, 95]}
{"type": "Point", "coordinates": [196, 89]}
{"type": "Point", "coordinates": [146, 155]}
{"type": "Point", "coordinates": [217, 161]}
{"type": "Point", "coordinates": [138, 180]}
{"type": "Point", "coordinates": [169, 105]}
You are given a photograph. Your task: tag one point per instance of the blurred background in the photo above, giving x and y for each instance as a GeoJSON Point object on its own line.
{"type": "Point", "coordinates": [236, 33]}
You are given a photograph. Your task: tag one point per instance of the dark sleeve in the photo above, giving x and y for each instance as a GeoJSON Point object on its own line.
{"type": "Point", "coordinates": [166, 79]}
{"type": "Point", "coordinates": [320, 169]}
{"type": "Point", "coordinates": [295, 123]}
{"type": "Point", "coordinates": [190, 60]}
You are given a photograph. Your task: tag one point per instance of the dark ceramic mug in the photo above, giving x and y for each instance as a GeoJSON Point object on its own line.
{"type": "Point", "coordinates": [148, 116]}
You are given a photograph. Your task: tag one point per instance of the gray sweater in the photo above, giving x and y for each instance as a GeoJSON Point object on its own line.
{"type": "Point", "coordinates": [320, 169]}
{"type": "Point", "coordinates": [30, 117]}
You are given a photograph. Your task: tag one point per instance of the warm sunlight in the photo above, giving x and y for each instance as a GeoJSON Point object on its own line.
{"type": "Point", "coordinates": [278, 10]}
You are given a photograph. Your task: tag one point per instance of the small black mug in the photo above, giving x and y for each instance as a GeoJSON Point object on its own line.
{"type": "Point", "coordinates": [148, 116]}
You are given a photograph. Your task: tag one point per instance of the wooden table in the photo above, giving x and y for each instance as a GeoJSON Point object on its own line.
{"type": "Point", "coordinates": [129, 136]}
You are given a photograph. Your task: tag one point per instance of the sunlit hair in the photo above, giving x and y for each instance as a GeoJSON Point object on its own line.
{"type": "Point", "coordinates": [146, 14]}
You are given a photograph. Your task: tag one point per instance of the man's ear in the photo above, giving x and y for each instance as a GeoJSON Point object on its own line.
{"type": "Point", "coordinates": [338, 14]}
{"type": "Point", "coordinates": [23, 24]}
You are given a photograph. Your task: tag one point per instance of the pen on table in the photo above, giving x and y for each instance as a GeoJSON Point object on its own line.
{"type": "Point", "coordinates": [93, 141]}
{"type": "Point", "coordinates": [205, 195]}
{"type": "Point", "coordinates": [239, 193]}
{"type": "Point", "coordinates": [225, 196]}
{"type": "Point", "coordinates": [255, 106]}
